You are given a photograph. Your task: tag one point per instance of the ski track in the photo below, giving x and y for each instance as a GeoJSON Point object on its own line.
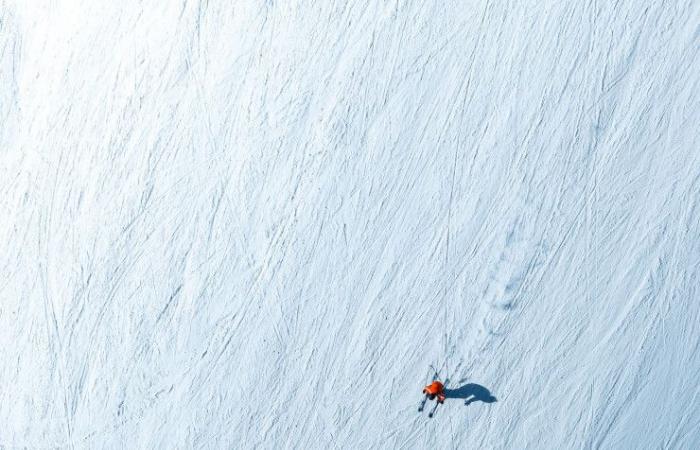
{"type": "Point", "coordinates": [256, 224]}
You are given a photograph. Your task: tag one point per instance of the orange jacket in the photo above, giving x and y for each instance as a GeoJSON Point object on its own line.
{"type": "Point", "coordinates": [436, 388]}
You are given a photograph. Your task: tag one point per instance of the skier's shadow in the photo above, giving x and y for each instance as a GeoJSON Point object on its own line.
{"type": "Point", "coordinates": [471, 392]}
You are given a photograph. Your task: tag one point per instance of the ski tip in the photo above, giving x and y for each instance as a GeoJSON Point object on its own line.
{"type": "Point", "coordinates": [430, 415]}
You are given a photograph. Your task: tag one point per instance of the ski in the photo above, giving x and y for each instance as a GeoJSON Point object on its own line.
{"type": "Point", "coordinates": [432, 411]}
{"type": "Point", "coordinates": [421, 406]}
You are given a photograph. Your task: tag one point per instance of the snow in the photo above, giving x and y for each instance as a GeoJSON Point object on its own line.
{"type": "Point", "coordinates": [256, 224]}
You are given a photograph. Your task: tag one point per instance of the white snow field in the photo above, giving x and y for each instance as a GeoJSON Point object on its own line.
{"type": "Point", "coordinates": [256, 224]}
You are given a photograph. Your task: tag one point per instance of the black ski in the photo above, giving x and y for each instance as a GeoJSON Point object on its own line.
{"type": "Point", "coordinates": [432, 411]}
{"type": "Point", "coordinates": [421, 406]}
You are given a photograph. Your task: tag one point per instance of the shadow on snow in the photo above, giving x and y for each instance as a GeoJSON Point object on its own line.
{"type": "Point", "coordinates": [471, 392]}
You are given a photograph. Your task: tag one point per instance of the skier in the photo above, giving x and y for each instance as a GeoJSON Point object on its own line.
{"type": "Point", "coordinates": [435, 389]}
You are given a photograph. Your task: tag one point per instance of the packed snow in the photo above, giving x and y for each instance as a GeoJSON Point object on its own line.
{"type": "Point", "coordinates": [257, 224]}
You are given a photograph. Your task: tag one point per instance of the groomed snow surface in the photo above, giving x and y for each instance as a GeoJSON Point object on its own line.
{"type": "Point", "coordinates": [255, 224]}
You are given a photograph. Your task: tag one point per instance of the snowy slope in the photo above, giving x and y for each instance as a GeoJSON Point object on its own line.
{"type": "Point", "coordinates": [255, 224]}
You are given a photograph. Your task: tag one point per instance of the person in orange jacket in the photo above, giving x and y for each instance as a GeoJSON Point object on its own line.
{"type": "Point", "coordinates": [435, 389]}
